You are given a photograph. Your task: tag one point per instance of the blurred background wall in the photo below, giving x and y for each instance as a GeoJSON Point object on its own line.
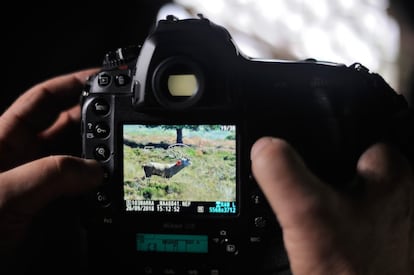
{"type": "Point", "coordinates": [376, 33]}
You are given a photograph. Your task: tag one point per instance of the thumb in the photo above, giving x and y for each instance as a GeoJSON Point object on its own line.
{"type": "Point", "coordinates": [292, 191]}
{"type": "Point", "coordinates": [28, 188]}
{"type": "Point", "coordinates": [383, 170]}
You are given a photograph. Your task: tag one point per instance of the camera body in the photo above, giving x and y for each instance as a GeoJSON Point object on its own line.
{"type": "Point", "coordinates": [173, 120]}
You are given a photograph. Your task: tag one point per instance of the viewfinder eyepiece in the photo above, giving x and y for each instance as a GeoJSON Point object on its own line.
{"type": "Point", "coordinates": [182, 85]}
{"type": "Point", "coordinates": [178, 83]}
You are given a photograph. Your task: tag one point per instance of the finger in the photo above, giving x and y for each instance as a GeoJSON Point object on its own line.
{"type": "Point", "coordinates": [65, 120]}
{"type": "Point", "coordinates": [54, 140]}
{"type": "Point", "coordinates": [383, 169]}
{"type": "Point", "coordinates": [28, 188]}
{"type": "Point", "coordinates": [294, 193]}
{"type": "Point", "coordinates": [39, 107]}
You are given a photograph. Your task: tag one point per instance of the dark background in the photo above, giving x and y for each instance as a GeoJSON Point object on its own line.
{"type": "Point", "coordinates": [41, 41]}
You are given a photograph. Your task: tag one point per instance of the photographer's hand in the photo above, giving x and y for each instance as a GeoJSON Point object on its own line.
{"type": "Point", "coordinates": [330, 233]}
{"type": "Point", "coordinates": [31, 176]}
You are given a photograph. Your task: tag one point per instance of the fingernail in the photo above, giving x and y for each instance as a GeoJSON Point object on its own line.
{"type": "Point", "coordinates": [259, 145]}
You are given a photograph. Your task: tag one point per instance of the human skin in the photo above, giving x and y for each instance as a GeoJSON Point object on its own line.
{"type": "Point", "coordinates": [326, 232]}
{"type": "Point", "coordinates": [38, 155]}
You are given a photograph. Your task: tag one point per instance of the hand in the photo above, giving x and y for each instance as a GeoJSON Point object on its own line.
{"type": "Point", "coordinates": [326, 232]}
{"type": "Point", "coordinates": [32, 129]}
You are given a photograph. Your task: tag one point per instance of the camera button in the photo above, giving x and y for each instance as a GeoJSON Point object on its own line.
{"type": "Point", "coordinates": [260, 222]}
{"type": "Point", "coordinates": [100, 107]}
{"type": "Point", "coordinates": [231, 249]}
{"type": "Point", "coordinates": [257, 199]}
{"type": "Point", "coordinates": [122, 80]}
{"type": "Point", "coordinates": [101, 130]}
{"type": "Point", "coordinates": [104, 80]}
{"type": "Point", "coordinates": [101, 152]}
{"type": "Point", "coordinates": [102, 199]}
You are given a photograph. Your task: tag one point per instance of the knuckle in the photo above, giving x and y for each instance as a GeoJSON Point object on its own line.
{"type": "Point", "coordinates": [60, 164]}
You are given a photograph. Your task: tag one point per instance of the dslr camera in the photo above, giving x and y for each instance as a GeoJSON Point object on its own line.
{"type": "Point", "coordinates": [172, 121]}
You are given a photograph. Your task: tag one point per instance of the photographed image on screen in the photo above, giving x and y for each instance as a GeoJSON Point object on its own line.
{"type": "Point", "coordinates": [173, 167]}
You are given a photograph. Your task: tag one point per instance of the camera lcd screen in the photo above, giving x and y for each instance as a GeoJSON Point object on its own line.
{"type": "Point", "coordinates": [180, 169]}
{"type": "Point", "coordinates": [172, 243]}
